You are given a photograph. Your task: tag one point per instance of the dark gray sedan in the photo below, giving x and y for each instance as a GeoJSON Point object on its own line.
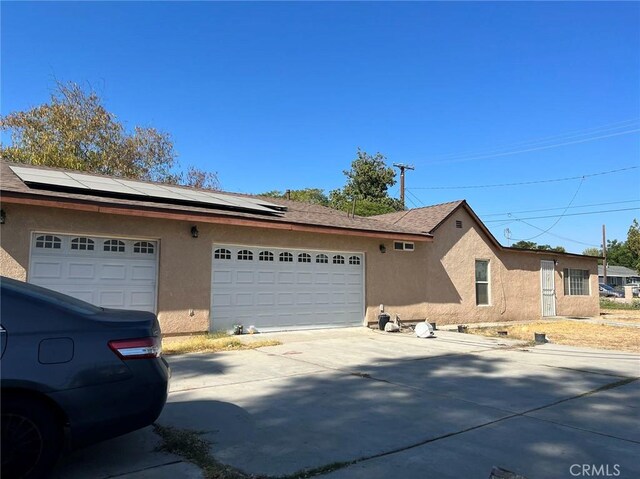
{"type": "Point", "coordinates": [72, 374]}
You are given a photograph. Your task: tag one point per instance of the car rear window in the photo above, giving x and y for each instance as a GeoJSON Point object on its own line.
{"type": "Point", "coordinates": [53, 297]}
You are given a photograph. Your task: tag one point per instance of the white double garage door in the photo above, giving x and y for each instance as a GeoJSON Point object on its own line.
{"type": "Point", "coordinates": [280, 288]}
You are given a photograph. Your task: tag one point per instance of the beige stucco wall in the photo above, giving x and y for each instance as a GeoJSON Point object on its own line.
{"type": "Point", "coordinates": [396, 279]}
{"type": "Point", "coordinates": [435, 282]}
{"type": "Point", "coordinates": [515, 283]}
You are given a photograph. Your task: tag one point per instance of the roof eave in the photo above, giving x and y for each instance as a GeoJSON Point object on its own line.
{"type": "Point", "coordinates": [11, 197]}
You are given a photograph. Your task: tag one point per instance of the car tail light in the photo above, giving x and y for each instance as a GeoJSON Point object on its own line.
{"type": "Point", "coordinates": [137, 348]}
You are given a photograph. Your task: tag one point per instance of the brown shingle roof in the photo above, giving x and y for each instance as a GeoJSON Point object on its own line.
{"type": "Point", "coordinates": [297, 213]}
{"type": "Point", "coordinates": [426, 219]}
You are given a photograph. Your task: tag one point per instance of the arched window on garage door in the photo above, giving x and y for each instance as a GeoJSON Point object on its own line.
{"type": "Point", "coordinates": [245, 255]}
{"type": "Point", "coordinates": [82, 244]}
{"type": "Point", "coordinates": [304, 258]}
{"type": "Point", "coordinates": [48, 242]}
{"type": "Point", "coordinates": [286, 257]}
{"type": "Point", "coordinates": [265, 256]}
{"type": "Point", "coordinates": [113, 246]}
{"type": "Point", "coordinates": [222, 253]}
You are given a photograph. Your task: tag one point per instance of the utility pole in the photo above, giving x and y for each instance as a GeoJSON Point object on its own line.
{"type": "Point", "coordinates": [604, 254]}
{"type": "Point", "coordinates": [402, 167]}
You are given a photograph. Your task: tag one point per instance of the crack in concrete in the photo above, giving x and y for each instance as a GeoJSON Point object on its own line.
{"type": "Point", "coordinates": [144, 469]}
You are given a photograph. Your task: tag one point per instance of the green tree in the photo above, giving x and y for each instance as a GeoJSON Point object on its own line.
{"type": "Point", "coordinates": [75, 131]}
{"type": "Point", "coordinates": [367, 187]}
{"type": "Point", "coordinates": [618, 253]}
{"type": "Point", "coordinates": [592, 252]}
{"type": "Point", "coordinates": [633, 244]}
{"type": "Point", "coordinates": [306, 195]}
{"type": "Point", "coordinates": [522, 244]}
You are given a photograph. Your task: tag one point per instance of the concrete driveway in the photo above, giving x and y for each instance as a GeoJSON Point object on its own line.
{"type": "Point", "coordinates": [363, 403]}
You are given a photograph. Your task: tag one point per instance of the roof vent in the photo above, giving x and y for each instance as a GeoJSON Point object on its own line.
{"type": "Point", "coordinates": [458, 223]}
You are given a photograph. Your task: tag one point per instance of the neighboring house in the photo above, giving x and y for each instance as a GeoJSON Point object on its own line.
{"type": "Point", "coordinates": [207, 261]}
{"type": "Point", "coordinates": [618, 275]}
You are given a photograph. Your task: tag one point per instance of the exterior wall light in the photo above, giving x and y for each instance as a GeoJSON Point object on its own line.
{"type": "Point", "coordinates": [194, 231]}
{"type": "Point", "coordinates": [3, 217]}
{"type": "Point", "coordinates": [383, 248]}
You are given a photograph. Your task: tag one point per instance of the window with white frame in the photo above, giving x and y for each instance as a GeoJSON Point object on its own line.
{"type": "Point", "coordinates": [322, 258]}
{"type": "Point", "coordinates": [403, 246]}
{"type": "Point", "coordinates": [354, 260]}
{"type": "Point", "coordinates": [576, 282]}
{"type": "Point", "coordinates": [482, 282]}
{"type": "Point", "coordinates": [338, 259]}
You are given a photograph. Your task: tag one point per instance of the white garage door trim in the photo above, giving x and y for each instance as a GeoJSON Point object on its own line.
{"type": "Point", "coordinates": [109, 271]}
{"type": "Point", "coordinates": [279, 295]}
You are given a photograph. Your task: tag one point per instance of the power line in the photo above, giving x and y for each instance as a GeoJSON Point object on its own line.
{"type": "Point", "coordinates": [564, 136]}
{"type": "Point", "coordinates": [417, 199]}
{"type": "Point", "coordinates": [563, 213]}
{"type": "Point", "coordinates": [558, 236]}
{"type": "Point", "coordinates": [569, 214]}
{"type": "Point", "coordinates": [537, 148]}
{"type": "Point", "coordinates": [553, 209]}
{"type": "Point", "coordinates": [522, 183]}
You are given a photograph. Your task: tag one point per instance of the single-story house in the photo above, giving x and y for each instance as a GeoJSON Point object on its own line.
{"type": "Point", "coordinates": [206, 260]}
{"type": "Point", "coordinates": [618, 275]}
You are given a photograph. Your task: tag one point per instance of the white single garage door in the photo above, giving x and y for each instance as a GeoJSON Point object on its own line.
{"type": "Point", "coordinates": [278, 289]}
{"type": "Point", "coordinates": [108, 272]}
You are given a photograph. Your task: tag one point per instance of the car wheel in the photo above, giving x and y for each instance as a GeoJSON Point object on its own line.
{"type": "Point", "coordinates": [32, 438]}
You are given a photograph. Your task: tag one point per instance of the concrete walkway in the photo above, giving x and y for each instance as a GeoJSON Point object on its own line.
{"type": "Point", "coordinates": [362, 403]}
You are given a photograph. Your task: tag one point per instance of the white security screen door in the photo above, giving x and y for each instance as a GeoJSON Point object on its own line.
{"type": "Point", "coordinates": [547, 274]}
{"type": "Point", "coordinates": [284, 288]}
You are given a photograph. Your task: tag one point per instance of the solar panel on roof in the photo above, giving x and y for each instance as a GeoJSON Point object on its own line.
{"type": "Point", "coordinates": [86, 182]}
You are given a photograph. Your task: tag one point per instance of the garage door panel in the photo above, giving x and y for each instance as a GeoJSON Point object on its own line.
{"type": "Point", "coordinates": [244, 299]}
{"type": "Point", "coordinates": [141, 299]}
{"type": "Point", "coordinates": [266, 277]}
{"type": "Point", "coordinates": [43, 269]}
{"type": "Point", "coordinates": [292, 291]}
{"type": "Point", "coordinates": [244, 277]}
{"type": "Point", "coordinates": [113, 271]}
{"type": "Point", "coordinates": [222, 299]}
{"type": "Point", "coordinates": [111, 299]}
{"type": "Point", "coordinates": [143, 273]}
{"type": "Point", "coordinates": [81, 271]}
{"type": "Point", "coordinates": [265, 299]}
{"type": "Point", "coordinates": [222, 277]}
{"type": "Point", "coordinates": [113, 274]}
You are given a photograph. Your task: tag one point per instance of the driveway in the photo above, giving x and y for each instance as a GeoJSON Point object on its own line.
{"type": "Point", "coordinates": [362, 403]}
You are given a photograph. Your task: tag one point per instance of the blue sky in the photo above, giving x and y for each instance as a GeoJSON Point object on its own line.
{"type": "Point", "coordinates": [281, 95]}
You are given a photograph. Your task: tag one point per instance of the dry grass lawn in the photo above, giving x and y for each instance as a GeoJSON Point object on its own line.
{"type": "Point", "coordinates": [572, 333]}
{"type": "Point", "coordinates": [212, 343]}
{"type": "Point", "coordinates": [630, 315]}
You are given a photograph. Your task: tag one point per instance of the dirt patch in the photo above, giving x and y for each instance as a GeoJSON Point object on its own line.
{"type": "Point", "coordinates": [572, 333]}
